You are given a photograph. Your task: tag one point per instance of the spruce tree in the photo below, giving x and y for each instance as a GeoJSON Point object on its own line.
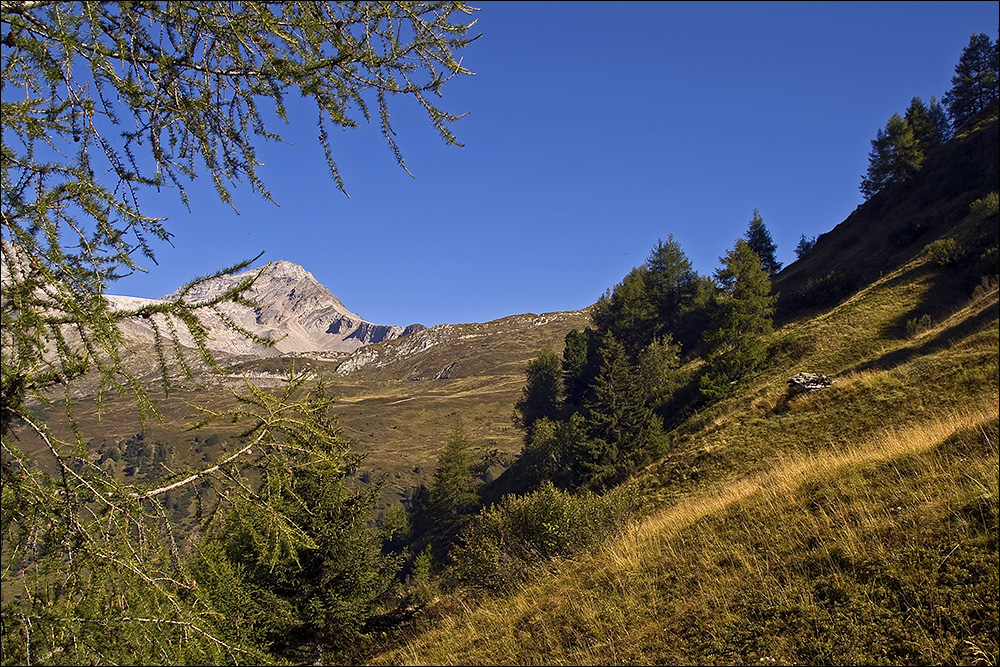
{"type": "Point", "coordinates": [628, 311]}
{"type": "Point", "coordinates": [576, 366]}
{"type": "Point", "coordinates": [542, 392]}
{"type": "Point", "coordinates": [939, 120]}
{"type": "Point", "coordinates": [313, 596]}
{"type": "Point", "coordinates": [895, 156]}
{"type": "Point", "coordinates": [976, 80]}
{"type": "Point", "coordinates": [759, 240]}
{"type": "Point", "coordinates": [804, 246]}
{"type": "Point", "coordinates": [738, 344]}
{"type": "Point", "coordinates": [622, 429]}
{"type": "Point", "coordinates": [670, 279]}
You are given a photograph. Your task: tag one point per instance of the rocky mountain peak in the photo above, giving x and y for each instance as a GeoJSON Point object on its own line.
{"type": "Point", "coordinates": [293, 308]}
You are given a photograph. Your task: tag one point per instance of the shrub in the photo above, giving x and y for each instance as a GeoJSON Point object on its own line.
{"type": "Point", "coordinates": [506, 541]}
{"type": "Point", "coordinates": [917, 325]}
{"type": "Point", "coordinates": [944, 251]}
{"type": "Point", "coordinates": [986, 206]}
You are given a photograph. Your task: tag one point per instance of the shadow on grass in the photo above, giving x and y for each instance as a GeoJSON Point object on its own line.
{"type": "Point", "coordinates": [943, 339]}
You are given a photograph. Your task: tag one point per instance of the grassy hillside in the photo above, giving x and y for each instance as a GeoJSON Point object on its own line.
{"type": "Point", "coordinates": [856, 524]}
{"type": "Point", "coordinates": [398, 410]}
{"type": "Point", "coordinates": [886, 231]}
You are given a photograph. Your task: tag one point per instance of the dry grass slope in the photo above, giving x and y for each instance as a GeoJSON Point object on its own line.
{"type": "Point", "coordinates": [852, 525]}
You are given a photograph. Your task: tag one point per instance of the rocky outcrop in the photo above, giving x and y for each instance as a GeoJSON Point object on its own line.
{"type": "Point", "coordinates": [809, 381]}
{"type": "Point", "coordinates": [293, 308]}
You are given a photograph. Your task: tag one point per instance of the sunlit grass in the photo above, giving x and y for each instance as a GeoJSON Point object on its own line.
{"type": "Point", "coordinates": [731, 575]}
{"type": "Point", "coordinates": [856, 524]}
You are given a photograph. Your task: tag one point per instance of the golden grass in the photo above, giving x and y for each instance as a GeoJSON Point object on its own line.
{"type": "Point", "coordinates": [688, 570]}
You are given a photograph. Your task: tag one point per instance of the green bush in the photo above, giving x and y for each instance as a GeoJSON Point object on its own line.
{"type": "Point", "coordinates": [916, 325]}
{"type": "Point", "coordinates": [988, 205]}
{"type": "Point", "coordinates": [944, 251]}
{"type": "Point", "coordinates": [507, 540]}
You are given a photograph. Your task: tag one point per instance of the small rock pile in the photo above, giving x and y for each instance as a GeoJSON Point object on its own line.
{"type": "Point", "coordinates": [809, 381]}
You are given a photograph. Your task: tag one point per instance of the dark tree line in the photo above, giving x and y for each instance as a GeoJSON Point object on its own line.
{"type": "Point", "coordinates": [898, 151]}
{"type": "Point", "coordinates": [601, 417]}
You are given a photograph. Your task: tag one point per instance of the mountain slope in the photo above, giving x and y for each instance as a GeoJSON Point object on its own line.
{"type": "Point", "coordinates": [852, 525]}
{"type": "Point", "coordinates": [894, 225]}
{"type": "Point", "coordinates": [295, 310]}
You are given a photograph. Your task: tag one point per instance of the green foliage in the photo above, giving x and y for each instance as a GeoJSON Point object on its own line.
{"type": "Point", "coordinates": [542, 392]}
{"type": "Point", "coordinates": [930, 125]}
{"type": "Point", "coordinates": [550, 454]}
{"type": "Point", "coordinates": [307, 539]}
{"type": "Point", "coordinates": [738, 347]}
{"type": "Point", "coordinates": [663, 296]}
{"type": "Point", "coordinates": [657, 367]}
{"type": "Point", "coordinates": [507, 541]}
{"type": "Point", "coordinates": [985, 206]}
{"type": "Point", "coordinates": [759, 240]}
{"type": "Point", "coordinates": [895, 157]}
{"type": "Point", "coordinates": [454, 491]}
{"type": "Point", "coordinates": [804, 246]}
{"type": "Point", "coordinates": [424, 586]}
{"type": "Point", "coordinates": [944, 251]}
{"type": "Point", "coordinates": [976, 80]}
{"type": "Point", "coordinates": [917, 325]}
{"type": "Point", "coordinates": [622, 430]}
{"type": "Point", "coordinates": [103, 103]}
{"type": "Point", "coordinates": [628, 312]}
{"type": "Point", "coordinates": [578, 365]}
{"type": "Point", "coordinates": [671, 281]}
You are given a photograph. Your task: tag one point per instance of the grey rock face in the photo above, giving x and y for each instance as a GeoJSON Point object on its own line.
{"type": "Point", "coordinates": [293, 308]}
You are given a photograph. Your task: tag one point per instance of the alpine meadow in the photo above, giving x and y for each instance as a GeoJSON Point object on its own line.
{"type": "Point", "coordinates": [771, 463]}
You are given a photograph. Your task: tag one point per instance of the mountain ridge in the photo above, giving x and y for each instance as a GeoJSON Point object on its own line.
{"type": "Point", "coordinates": [294, 309]}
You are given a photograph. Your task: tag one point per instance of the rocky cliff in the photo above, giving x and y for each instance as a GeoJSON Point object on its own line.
{"type": "Point", "coordinates": [293, 308]}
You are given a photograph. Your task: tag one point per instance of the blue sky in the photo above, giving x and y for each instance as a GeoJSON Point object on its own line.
{"type": "Point", "coordinates": [593, 130]}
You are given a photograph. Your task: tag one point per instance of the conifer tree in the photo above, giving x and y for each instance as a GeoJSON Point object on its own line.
{"type": "Point", "coordinates": [316, 597]}
{"type": "Point", "coordinates": [622, 429]}
{"type": "Point", "coordinates": [804, 246]}
{"type": "Point", "coordinates": [576, 366]}
{"type": "Point", "coordinates": [976, 81]}
{"type": "Point", "coordinates": [454, 491]}
{"type": "Point", "coordinates": [628, 311]}
{"type": "Point", "coordinates": [670, 279]}
{"type": "Point", "coordinates": [918, 118]}
{"type": "Point", "coordinates": [542, 392]}
{"type": "Point", "coordinates": [759, 240]}
{"type": "Point", "coordinates": [895, 156]}
{"type": "Point", "coordinates": [939, 120]}
{"type": "Point", "coordinates": [738, 346]}
{"type": "Point", "coordinates": [103, 104]}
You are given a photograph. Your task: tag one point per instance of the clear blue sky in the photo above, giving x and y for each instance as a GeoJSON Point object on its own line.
{"type": "Point", "coordinates": [594, 129]}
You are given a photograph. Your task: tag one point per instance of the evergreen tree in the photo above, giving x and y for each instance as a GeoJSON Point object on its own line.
{"type": "Point", "coordinates": [738, 347]}
{"type": "Point", "coordinates": [804, 246]}
{"type": "Point", "coordinates": [670, 280]}
{"type": "Point", "coordinates": [320, 590]}
{"type": "Point", "coordinates": [622, 430]}
{"type": "Point", "coordinates": [924, 130]}
{"type": "Point", "coordinates": [939, 120]}
{"type": "Point", "coordinates": [895, 157]}
{"type": "Point", "coordinates": [628, 312]}
{"type": "Point", "coordinates": [759, 240]}
{"type": "Point", "coordinates": [658, 364]}
{"type": "Point", "coordinates": [576, 366]}
{"type": "Point", "coordinates": [134, 97]}
{"type": "Point", "coordinates": [975, 84]}
{"type": "Point", "coordinates": [454, 491]}
{"type": "Point", "coordinates": [542, 391]}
